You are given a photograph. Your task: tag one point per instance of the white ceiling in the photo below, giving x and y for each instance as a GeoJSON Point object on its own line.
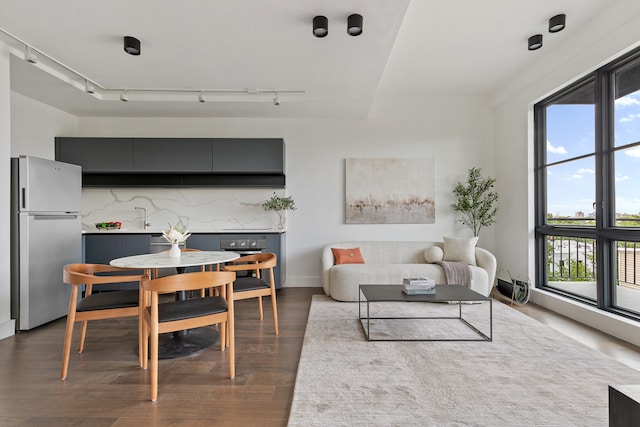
{"type": "Point", "coordinates": [407, 48]}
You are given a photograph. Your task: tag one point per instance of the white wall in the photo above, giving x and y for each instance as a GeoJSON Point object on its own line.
{"type": "Point", "coordinates": [7, 326]}
{"type": "Point", "coordinates": [455, 130]}
{"type": "Point", "coordinates": [34, 124]}
{"type": "Point", "coordinates": [614, 31]}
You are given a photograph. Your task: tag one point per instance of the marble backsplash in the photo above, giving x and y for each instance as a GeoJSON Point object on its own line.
{"type": "Point", "coordinates": [200, 209]}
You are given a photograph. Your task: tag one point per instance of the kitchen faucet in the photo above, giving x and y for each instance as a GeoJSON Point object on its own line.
{"type": "Point", "coordinates": [146, 224]}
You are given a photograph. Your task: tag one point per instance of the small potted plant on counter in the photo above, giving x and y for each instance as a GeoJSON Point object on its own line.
{"type": "Point", "coordinates": [280, 205]}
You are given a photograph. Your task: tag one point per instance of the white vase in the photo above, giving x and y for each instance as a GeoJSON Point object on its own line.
{"type": "Point", "coordinates": [174, 252]}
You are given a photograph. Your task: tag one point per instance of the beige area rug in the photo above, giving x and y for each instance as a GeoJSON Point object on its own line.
{"type": "Point", "coordinates": [529, 375]}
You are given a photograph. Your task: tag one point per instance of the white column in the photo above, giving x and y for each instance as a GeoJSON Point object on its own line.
{"type": "Point", "coordinates": [7, 325]}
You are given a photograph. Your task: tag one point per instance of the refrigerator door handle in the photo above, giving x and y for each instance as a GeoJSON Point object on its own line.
{"type": "Point", "coordinates": [38, 217]}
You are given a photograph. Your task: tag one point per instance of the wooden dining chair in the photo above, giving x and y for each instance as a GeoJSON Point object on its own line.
{"type": "Point", "coordinates": [260, 283]}
{"type": "Point", "coordinates": [161, 317]}
{"type": "Point", "coordinates": [98, 305]}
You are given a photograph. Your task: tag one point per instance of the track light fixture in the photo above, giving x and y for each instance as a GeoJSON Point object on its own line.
{"type": "Point", "coordinates": [276, 99]}
{"type": "Point", "coordinates": [354, 25]}
{"type": "Point", "coordinates": [132, 45]}
{"type": "Point", "coordinates": [535, 42]}
{"type": "Point", "coordinates": [557, 23]}
{"type": "Point", "coordinates": [68, 75]}
{"type": "Point", "coordinates": [320, 26]}
{"type": "Point", "coordinates": [29, 56]}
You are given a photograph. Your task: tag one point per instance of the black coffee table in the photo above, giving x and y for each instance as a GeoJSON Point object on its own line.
{"type": "Point", "coordinates": [448, 294]}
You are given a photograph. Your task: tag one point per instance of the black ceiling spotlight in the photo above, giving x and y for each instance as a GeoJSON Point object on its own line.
{"type": "Point", "coordinates": [535, 42]}
{"type": "Point", "coordinates": [132, 45]}
{"type": "Point", "coordinates": [354, 25]}
{"type": "Point", "coordinates": [557, 23]}
{"type": "Point", "coordinates": [320, 26]}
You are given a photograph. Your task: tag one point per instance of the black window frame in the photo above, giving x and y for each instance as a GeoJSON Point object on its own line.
{"type": "Point", "coordinates": [605, 233]}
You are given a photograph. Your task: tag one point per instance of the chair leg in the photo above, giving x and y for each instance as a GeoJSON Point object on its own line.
{"type": "Point", "coordinates": [223, 335]}
{"type": "Point", "coordinates": [274, 308]}
{"type": "Point", "coordinates": [68, 335]}
{"type": "Point", "coordinates": [141, 332]}
{"type": "Point", "coordinates": [83, 334]}
{"type": "Point", "coordinates": [154, 362]}
{"type": "Point", "coordinates": [146, 336]}
{"type": "Point", "coordinates": [260, 307]}
{"type": "Point", "coordinates": [232, 347]}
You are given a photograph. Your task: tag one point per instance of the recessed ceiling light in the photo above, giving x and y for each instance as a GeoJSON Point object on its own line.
{"type": "Point", "coordinates": [354, 25]}
{"type": "Point", "coordinates": [535, 42]}
{"type": "Point", "coordinates": [320, 26]}
{"type": "Point", "coordinates": [132, 45]}
{"type": "Point", "coordinates": [557, 23]}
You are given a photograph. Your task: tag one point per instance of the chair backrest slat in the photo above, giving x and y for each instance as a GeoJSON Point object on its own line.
{"type": "Point", "coordinates": [189, 281]}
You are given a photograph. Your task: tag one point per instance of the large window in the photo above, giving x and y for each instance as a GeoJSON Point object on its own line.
{"type": "Point", "coordinates": [588, 189]}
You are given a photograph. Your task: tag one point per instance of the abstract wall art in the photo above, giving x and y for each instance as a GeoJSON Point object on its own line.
{"type": "Point", "coordinates": [390, 191]}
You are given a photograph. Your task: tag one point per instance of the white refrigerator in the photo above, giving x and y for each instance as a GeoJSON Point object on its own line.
{"type": "Point", "coordinates": [46, 234]}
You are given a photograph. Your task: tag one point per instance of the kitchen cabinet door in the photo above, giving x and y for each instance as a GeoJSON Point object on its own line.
{"type": "Point", "coordinates": [248, 155]}
{"type": "Point", "coordinates": [102, 248]}
{"type": "Point", "coordinates": [96, 155]}
{"type": "Point", "coordinates": [204, 242]}
{"type": "Point", "coordinates": [167, 155]}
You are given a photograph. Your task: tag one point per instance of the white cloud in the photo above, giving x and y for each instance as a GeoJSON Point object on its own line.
{"type": "Point", "coordinates": [633, 152]}
{"type": "Point", "coordinates": [555, 150]}
{"type": "Point", "coordinates": [629, 118]}
{"type": "Point", "coordinates": [628, 100]}
{"type": "Point", "coordinates": [576, 176]}
{"type": "Point", "coordinates": [583, 171]}
{"type": "Point", "coordinates": [620, 177]}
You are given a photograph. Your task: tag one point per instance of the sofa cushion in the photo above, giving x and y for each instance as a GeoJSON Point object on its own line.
{"type": "Point", "coordinates": [344, 279]}
{"type": "Point", "coordinates": [347, 256]}
{"type": "Point", "coordinates": [460, 249]}
{"type": "Point", "coordinates": [433, 254]}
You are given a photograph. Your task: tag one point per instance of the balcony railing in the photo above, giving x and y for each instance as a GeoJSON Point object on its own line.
{"type": "Point", "coordinates": [571, 259]}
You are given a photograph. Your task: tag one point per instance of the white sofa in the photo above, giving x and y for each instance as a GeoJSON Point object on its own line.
{"type": "Point", "coordinates": [388, 262]}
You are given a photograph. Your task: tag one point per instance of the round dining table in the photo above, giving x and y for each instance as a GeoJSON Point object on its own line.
{"type": "Point", "coordinates": [181, 343]}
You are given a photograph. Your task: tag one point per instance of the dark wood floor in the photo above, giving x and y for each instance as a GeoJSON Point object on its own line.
{"type": "Point", "coordinates": [105, 387]}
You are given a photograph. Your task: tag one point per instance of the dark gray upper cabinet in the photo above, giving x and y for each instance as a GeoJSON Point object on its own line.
{"type": "Point", "coordinates": [170, 162]}
{"type": "Point", "coordinates": [96, 154]}
{"type": "Point", "coordinates": [263, 155]}
{"type": "Point", "coordinates": [193, 155]}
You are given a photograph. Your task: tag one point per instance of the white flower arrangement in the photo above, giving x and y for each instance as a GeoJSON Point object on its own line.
{"type": "Point", "coordinates": [176, 234]}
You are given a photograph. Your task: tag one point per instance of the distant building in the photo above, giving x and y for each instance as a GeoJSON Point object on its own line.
{"type": "Point", "coordinates": [579, 214]}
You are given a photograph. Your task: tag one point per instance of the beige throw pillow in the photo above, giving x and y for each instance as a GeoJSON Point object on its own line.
{"type": "Point", "coordinates": [433, 254]}
{"type": "Point", "coordinates": [460, 249]}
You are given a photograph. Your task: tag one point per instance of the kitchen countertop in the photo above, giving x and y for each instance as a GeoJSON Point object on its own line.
{"type": "Point", "coordinates": [158, 231]}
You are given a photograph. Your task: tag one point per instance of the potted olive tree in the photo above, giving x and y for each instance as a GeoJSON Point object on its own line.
{"type": "Point", "coordinates": [280, 205]}
{"type": "Point", "coordinates": [475, 201]}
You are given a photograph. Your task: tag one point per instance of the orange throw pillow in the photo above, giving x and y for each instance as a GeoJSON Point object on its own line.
{"type": "Point", "coordinates": [347, 256]}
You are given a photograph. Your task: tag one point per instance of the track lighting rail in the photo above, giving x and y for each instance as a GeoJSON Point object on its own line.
{"type": "Point", "coordinates": [90, 86]}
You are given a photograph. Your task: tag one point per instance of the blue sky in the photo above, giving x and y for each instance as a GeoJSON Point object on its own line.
{"type": "Point", "coordinates": [571, 133]}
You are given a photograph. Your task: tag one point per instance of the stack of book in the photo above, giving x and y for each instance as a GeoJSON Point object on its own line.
{"type": "Point", "coordinates": [418, 286]}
